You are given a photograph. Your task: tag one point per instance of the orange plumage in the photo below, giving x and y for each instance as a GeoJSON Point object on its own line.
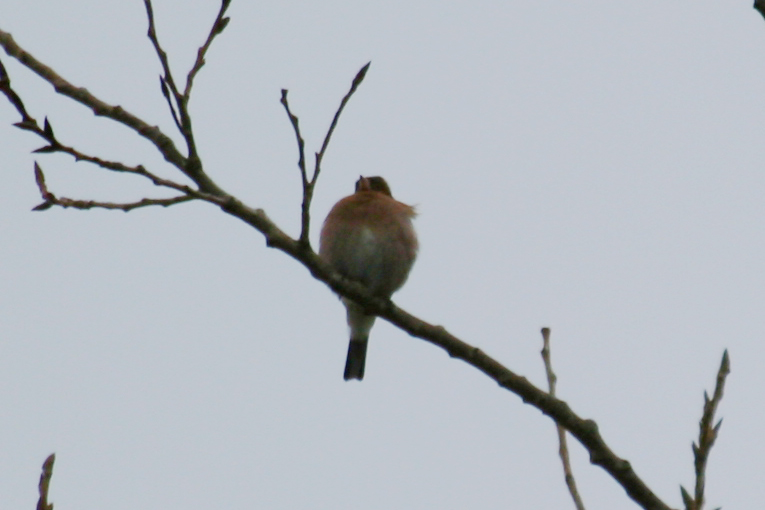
{"type": "Point", "coordinates": [368, 237]}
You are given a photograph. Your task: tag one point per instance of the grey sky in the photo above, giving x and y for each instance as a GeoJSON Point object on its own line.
{"type": "Point", "coordinates": [594, 167]}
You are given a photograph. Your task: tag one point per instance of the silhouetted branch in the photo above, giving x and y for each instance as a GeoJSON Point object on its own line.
{"type": "Point", "coordinates": [305, 209]}
{"type": "Point", "coordinates": [50, 199]}
{"type": "Point", "coordinates": [563, 449]}
{"type": "Point", "coordinates": [354, 85]}
{"type": "Point", "coordinates": [152, 133]}
{"type": "Point", "coordinates": [310, 184]}
{"type": "Point", "coordinates": [182, 118]}
{"type": "Point", "coordinates": [100, 108]}
{"type": "Point", "coordinates": [47, 472]}
{"type": "Point", "coordinates": [13, 98]}
{"type": "Point", "coordinates": [167, 81]}
{"type": "Point", "coordinates": [29, 123]}
{"type": "Point", "coordinates": [219, 25]}
{"type": "Point", "coordinates": [707, 437]}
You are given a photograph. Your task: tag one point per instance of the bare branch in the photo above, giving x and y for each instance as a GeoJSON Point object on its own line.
{"type": "Point", "coordinates": [167, 81]}
{"type": "Point", "coordinates": [30, 124]}
{"type": "Point", "coordinates": [218, 27]}
{"type": "Point", "coordinates": [15, 100]}
{"type": "Point", "coordinates": [585, 431]}
{"type": "Point", "coordinates": [47, 472]}
{"type": "Point", "coordinates": [100, 108]}
{"type": "Point", "coordinates": [563, 449]}
{"type": "Point", "coordinates": [92, 204]}
{"type": "Point", "coordinates": [50, 199]}
{"type": "Point", "coordinates": [55, 146]}
{"type": "Point", "coordinates": [296, 128]}
{"type": "Point", "coordinates": [182, 120]}
{"type": "Point", "coordinates": [309, 185]}
{"type": "Point", "coordinates": [707, 437]}
{"type": "Point", "coordinates": [354, 85]}
{"type": "Point", "coordinates": [305, 220]}
{"type": "Point", "coordinates": [182, 117]}
{"type": "Point", "coordinates": [152, 133]}
{"type": "Point", "coordinates": [169, 99]}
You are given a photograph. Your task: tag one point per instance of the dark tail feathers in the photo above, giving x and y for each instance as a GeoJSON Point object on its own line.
{"type": "Point", "coordinates": [354, 363]}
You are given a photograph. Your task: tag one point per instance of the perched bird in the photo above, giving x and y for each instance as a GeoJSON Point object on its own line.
{"type": "Point", "coordinates": [368, 237]}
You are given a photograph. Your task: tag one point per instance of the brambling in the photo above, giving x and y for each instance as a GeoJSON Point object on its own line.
{"type": "Point", "coordinates": [368, 237]}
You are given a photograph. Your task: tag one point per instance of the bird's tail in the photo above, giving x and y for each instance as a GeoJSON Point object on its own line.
{"type": "Point", "coordinates": [357, 355]}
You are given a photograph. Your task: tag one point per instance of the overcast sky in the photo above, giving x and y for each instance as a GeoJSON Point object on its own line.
{"type": "Point", "coordinates": [595, 167]}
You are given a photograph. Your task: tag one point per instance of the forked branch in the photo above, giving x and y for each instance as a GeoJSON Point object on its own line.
{"type": "Point", "coordinates": [50, 199]}
{"type": "Point", "coordinates": [310, 184]}
{"type": "Point", "coordinates": [179, 102]}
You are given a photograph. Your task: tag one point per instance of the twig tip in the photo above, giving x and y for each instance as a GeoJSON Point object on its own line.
{"type": "Point", "coordinates": [361, 74]}
{"type": "Point", "coordinates": [48, 464]}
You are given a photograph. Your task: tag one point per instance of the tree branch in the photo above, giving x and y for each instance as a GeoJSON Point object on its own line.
{"type": "Point", "coordinates": [563, 449]}
{"type": "Point", "coordinates": [29, 123]}
{"type": "Point", "coordinates": [50, 199]}
{"type": "Point", "coordinates": [707, 437]}
{"type": "Point", "coordinates": [100, 108]}
{"type": "Point", "coordinates": [182, 118]}
{"type": "Point", "coordinates": [305, 220]}
{"type": "Point", "coordinates": [219, 25]}
{"type": "Point", "coordinates": [118, 114]}
{"type": "Point", "coordinates": [167, 81]}
{"type": "Point", "coordinates": [354, 85]}
{"type": "Point", "coordinates": [47, 472]}
{"type": "Point", "coordinates": [309, 185]}
{"type": "Point", "coordinates": [13, 98]}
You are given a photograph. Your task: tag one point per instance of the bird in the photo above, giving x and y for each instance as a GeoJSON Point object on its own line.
{"type": "Point", "coordinates": [368, 237]}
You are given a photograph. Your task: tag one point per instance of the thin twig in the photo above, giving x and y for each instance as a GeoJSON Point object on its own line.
{"type": "Point", "coordinates": [81, 95]}
{"type": "Point", "coordinates": [167, 81]}
{"type": "Point", "coordinates": [563, 447]}
{"type": "Point", "coordinates": [29, 123]}
{"type": "Point", "coordinates": [707, 436]}
{"type": "Point", "coordinates": [296, 128]}
{"type": "Point", "coordinates": [169, 88]}
{"type": "Point", "coordinates": [47, 472]}
{"type": "Point", "coordinates": [15, 100]}
{"type": "Point", "coordinates": [162, 142]}
{"type": "Point", "coordinates": [309, 185]}
{"type": "Point", "coordinates": [169, 99]}
{"type": "Point", "coordinates": [354, 85]}
{"type": "Point", "coordinates": [92, 204]}
{"type": "Point", "coordinates": [50, 199]}
{"type": "Point", "coordinates": [219, 25]}
{"type": "Point", "coordinates": [182, 117]}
